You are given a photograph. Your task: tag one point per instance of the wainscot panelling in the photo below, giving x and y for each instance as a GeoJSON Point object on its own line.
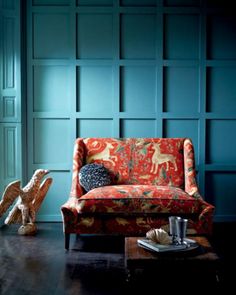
{"type": "Point", "coordinates": [129, 68]}
{"type": "Point", "coordinates": [10, 94]}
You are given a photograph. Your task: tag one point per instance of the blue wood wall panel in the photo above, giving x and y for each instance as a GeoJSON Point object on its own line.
{"type": "Point", "coordinates": [51, 141]}
{"type": "Point", "coordinates": [220, 142]}
{"type": "Point", "coordinates": [130, 68]}
{"type": "Point", "coordinates": [95, 127]}
{"type": "Point", "coordinates": [138, 89]}
{"type": "Point", "coordinates": [9, 110]}
{"type": "Point", "coordinates": [95, 2]}
{"type": "Point", "coordinates": [137, 128]}
{"type": "Point", "coordinates": [138, 2]}
{"type": "Point", "coordinates": [181, 36]}
{"type": "Point", "coordinates": [95, 89]}
{"type": "Point", "coordinates": [177, 97]}
{"type": "Point", "coordinates": [8, 4]}
{"type": "Point", "coordinates": [10, 94]}
{"type": "Point", "coordinates": [8, 53]}
{"type": "Point", "coordinates": [181, 2]}
{"type": "Point", "coordinates": [50, 2]}
{"type": "Point", "coordinates": [51, 35]}
{"type": "Point", "coordinates": [138, 41]}
{"type": "Point", "coordinates": [224, 199]}
{"type": "Point", "coordinates": [222, 36]}
{"type": "Point", "coordinates": [52, 89]}
{"type": "Point", "coordinates": [221, 96]}
{"type": "Point", "coordinates": [94, 39]}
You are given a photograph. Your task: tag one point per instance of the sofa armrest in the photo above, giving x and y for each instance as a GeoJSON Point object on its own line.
{"type": "Point", "coordinates": [206, 217]}
{"type": "Point", "coordinates": [191, 186]}
{"type": "Point", "coordinates": [69, 212]}
{"type": "Point", "coordinates": [78, 156]}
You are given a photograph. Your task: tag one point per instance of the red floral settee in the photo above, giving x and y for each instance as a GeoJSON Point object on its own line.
{"type": "Point", "coordinates": [152, 178]}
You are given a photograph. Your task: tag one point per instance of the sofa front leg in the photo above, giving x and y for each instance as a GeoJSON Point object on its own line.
{"type": "Point", "coordinates": [67, 241]}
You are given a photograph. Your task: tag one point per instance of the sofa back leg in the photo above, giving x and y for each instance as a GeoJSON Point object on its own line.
{"type": "Point", "coordinates": [67, 241]}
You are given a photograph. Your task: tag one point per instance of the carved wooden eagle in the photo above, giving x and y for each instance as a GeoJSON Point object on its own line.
{"type": "Point", "coordinates": [29, 197]}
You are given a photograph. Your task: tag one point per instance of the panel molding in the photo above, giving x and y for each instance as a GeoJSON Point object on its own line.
{"type": "Point", "coordinates": [9, 107]}
{"type": "Point", "coordinates": [10, 149]}
{"type": "Point", "coordinates": [8, 53]}
{"type": "Point", "coordinates": [9, 139]}
{"type": "Point", "coordinates": [10, 93]}
{"type": "Point", "coordinates": [112, 103]}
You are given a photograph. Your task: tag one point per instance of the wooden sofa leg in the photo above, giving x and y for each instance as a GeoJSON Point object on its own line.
{"type": "Point", "coordinates": [67, 241]}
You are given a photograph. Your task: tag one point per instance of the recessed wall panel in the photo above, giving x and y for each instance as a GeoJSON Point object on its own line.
{"type": "Point", "coordinates": [51, 35]}
{"type": "Point", "coordinates": [221, 90]}
{"type": "Point", "coordinates": [182, 3]}
{"type": "Point", "coordinates": [138, 89]}
{"type": "Point", "coordinates": [56, 196]}
{"type": "Point", "coordinates": [95, 2]}
{"type": "Point", "coordinates": [221, 140]}
{"type": "Point", "coordinates": [51, 2]}
{"type": "Point", "coordinates": [181, 36]}
{"type": "Point", "coordinates": [10, 151]}
{"type": "Point", "coordinates": [8, 4]}
{"type": "Point", "coordinates": [137, 128]}
{"type": "Point", "coordinates": [9, 107]}
{"type": "Point", "coordinates": [52, 88]}
{"type": "Point", "coordinates": [94, 36]}
{"type": "Point", "coordinates": [94, 128]}
{"type": "Point", "coordinates": [138, 2]}
{"type": "Point", "coordinates": [181, 89]}
{"type": "Point", "coordinates": [8, 46]}
{"type": "Point", "coordinates": [220, 191]}
{"type": "Point", "coordinates": [95, 89]}
{"type": "Point", "coordinates": [51, 141]}
{"type": "Point", "coordinates": [183, 128]}
{"type": "Point", "coordinates": [221, 37]}
{"type": "Point", "coordinates": [138, 33]}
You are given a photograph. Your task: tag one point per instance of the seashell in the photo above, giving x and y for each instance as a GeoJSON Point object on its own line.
{"type": "Point", "coordinates": [158, 235]}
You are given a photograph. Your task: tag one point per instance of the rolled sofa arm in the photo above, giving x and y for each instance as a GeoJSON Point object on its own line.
{"type": "Point", "coordinates": [69, 210]}
{"type": "Point", "coordinates": [191, 186]}
{"type": "Point", "coordinates": [78, 156]}
{"type": "Point", "coordinates": [206, 218]}
{"type": "Point", "coordinates": [69, 213]}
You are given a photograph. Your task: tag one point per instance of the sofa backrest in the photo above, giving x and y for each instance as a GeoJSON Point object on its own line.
{"type": "Point", "coordinates": [157, 161]}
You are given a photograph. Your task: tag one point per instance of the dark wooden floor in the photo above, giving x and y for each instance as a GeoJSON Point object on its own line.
{"type": "Point", "coordinates": [39, 265]}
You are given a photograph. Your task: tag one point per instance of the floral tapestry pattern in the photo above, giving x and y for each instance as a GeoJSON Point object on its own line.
{"type": "Point", "coordinates": [152, 178]}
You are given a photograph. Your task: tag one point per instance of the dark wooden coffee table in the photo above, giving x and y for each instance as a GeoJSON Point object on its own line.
{"type": "Point", "coordinates": [203, 258]}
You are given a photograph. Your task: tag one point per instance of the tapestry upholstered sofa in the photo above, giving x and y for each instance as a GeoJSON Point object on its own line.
{"type": "Point", "coordinates": [152, 178]}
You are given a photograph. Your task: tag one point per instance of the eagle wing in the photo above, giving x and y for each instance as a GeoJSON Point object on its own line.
{"type": "Point", "coordinates": [11, 192]}
{"type": "Point", "coordinates": [44, 187]}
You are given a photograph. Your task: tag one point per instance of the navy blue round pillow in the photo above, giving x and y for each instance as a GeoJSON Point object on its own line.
{"type": "Point", "coordinates": [93, 175]}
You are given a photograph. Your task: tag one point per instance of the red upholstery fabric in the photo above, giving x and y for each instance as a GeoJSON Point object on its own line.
{"type": "Point", "coordinates": [114, 154]}
{"type": "Point", "coordinates": [157, 161]}
{"type": "Point", "coordinates": [137, 199]}
{"type": "Point", "coordinates": [153, 178]}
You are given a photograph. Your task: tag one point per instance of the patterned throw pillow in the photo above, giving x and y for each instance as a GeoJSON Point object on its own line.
{"type": "Point", "coordinates": [94, 175]}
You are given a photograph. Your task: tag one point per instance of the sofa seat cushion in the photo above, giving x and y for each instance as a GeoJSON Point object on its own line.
{"type": "Point", "coordinates": [138, 199]}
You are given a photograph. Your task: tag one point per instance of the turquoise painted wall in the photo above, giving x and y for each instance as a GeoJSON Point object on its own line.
{"type": "Point", "coordinates": [132, 68]}
{"type": "Point", "coordinates": [10, 94]}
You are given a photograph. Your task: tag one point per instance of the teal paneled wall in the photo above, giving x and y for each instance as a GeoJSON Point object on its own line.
{"type": "Point", "coordinates": [10, 94]}
{"type": "Point", "coordinates": [132, 68]}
